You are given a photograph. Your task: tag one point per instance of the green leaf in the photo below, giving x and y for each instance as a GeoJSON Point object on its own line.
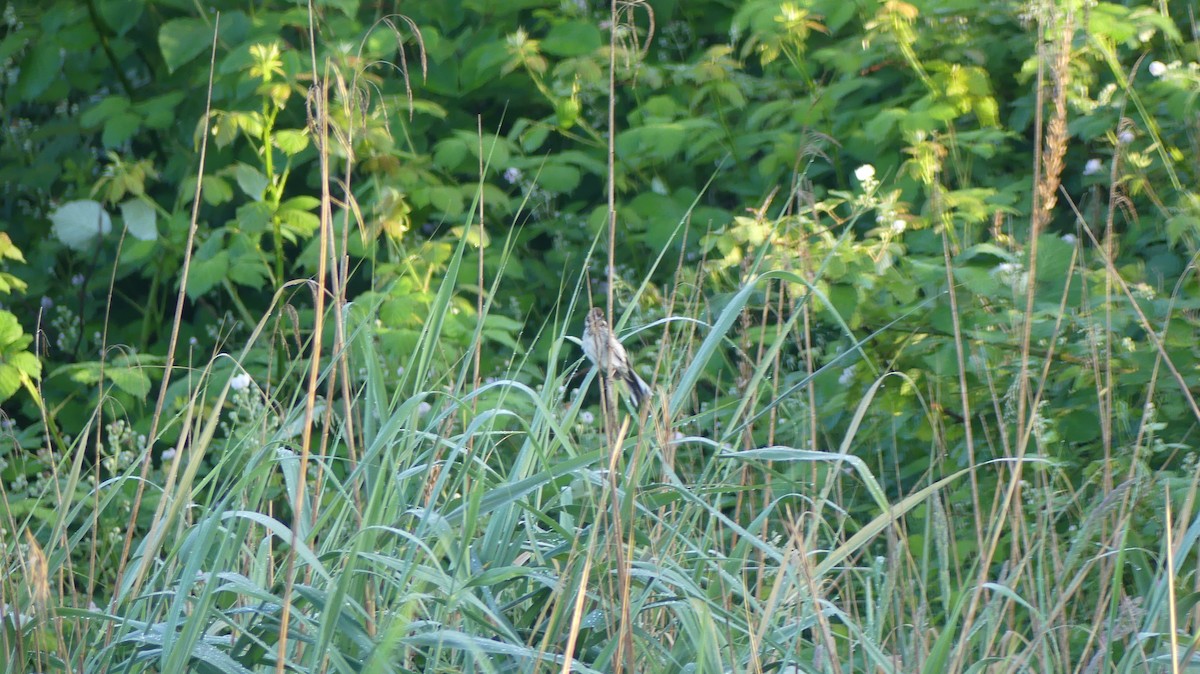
{"type": "Point", "coordinates": [131, 380]}
{"type": "Point", "coordinates": [216, 191]}
{"type": "Point", "coordinates": [40, 67]}
{"type": "Point", "coordinates": [299, 223]}
{"type": "Point", "coordinates": [450, 153]}
{"type": "Point", "coordinates": [248, 264]}
{"type": "Point", "coordinates": [121, 15]}
{"type": "Point", "coordinates": [574, 38]}
{"type": "Point", "coordinates": [159, 112]}
{"type": "Point", "coordinates": [8, 250]}
{"type": "Point", "coordinates": [15, 41]}
{"type": "Point", "coordinates": [10, 283]}
{"type": "Point", "coordinates": [984, 253]}
{"type": "Point", "coordinates": [95, 115]}
{"type": "Point", "coordinates": [15, 361]}
{"type": "Point", "coordinates": [140, 219]}
{"type": "Point", "coordinates": [291, 141]}
{"type": "Point", "coordinates": [77, 224]}
{"type": "Point", "coordinates": [10, 381]}
{"type": "Point", "coordinates": [252, 181]}
{"type": "Point", "coordinates": [447, 199]}
{"type": "Point", "coordinates": [182, 40]}
{"type": "Point", "coordinates": [120, 128]}
{"type": "Point", "coordinates": [206, 274]}
{"type": "Point", "coordinates": [253, 218]}
{"type": "Point", "coordinates": [10, 331]}
{"type": "Point", "coordinates": [303, 202]}
{"type": "Point", "coordinates": [559, 178]}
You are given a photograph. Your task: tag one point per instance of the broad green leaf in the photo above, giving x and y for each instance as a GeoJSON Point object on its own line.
{"type": "Point", "coordinates": [120, 128]}
{"type": "Point", "coordinates": [40, 67]}
{"type": "Point", "coordinates": [159, 112]}
{"type": "Point", "coordinates": [9, 283]}
{"type": "Point", "coordinates": [291, 141]}
{"type": "Point", "coordinates": [559, 178]}
{"type": "Point", "coordinates": [182, 40]}
{"type": "Point", "coordinates": [77, 224]}
{"type": "Point", "coordinates": [204, 275]}
{"type": "Point", "coordinates": [447, 199]}
{"type": "Point", "coordinates": [140, 219]}
{"type": "Point", "coordinates": [253, 217]}
{"type": "Point", "coordinates": [8, 250]}
{"type": "Point", "coordinates": [299, 223]}
{"type": "Point", "coordinates": [95, 115]}
{"type": "Point", "coordinates": [252, 181]}
{"type": "Point", "coordinates": [10, 381]}
{"type": "Point", "coordinates": [450, 153]}
{"type": "Point", "coordinates": [121, 15]}
{"type": "Point", "coordinates": [216, 191]}
{"type": "Point", "coordinates": [573, 38]}
{"type": "Point", "coordinates": [301, 203]}
{"type": "Point", "coordinates": [10, 330]}
{"type": "Point", "coordinates": [131, 380]}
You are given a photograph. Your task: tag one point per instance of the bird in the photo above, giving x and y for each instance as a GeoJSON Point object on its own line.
{"type": "Point", "coordinates": [601, 347]}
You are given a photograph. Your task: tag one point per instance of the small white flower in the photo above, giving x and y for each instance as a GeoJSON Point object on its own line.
{"type": "Point", "coordinates": [1158, 68]}
{"type": "Point", "coordinates": [587, 418]}
{"type": "Point", "coordinates": [193, 341]}
{"type": "Point", "coordinates": [47, 302]}
{"type": "Point", "coordinates": [424, 408]}
{"type": "Point", "coordinates": [898, 226]}
{"type": "Point", "coordinates": [1069, 239]}
{"type": "Point", "coordinates": [1092, 167]}
{"type": "Point", "coordinates": [864, 173]}
{"type": "Point", "coordinates": [1125, 137]}
{"type": "Point", "coordinates": [168, 454]}
{"type": "Point", "coordinates": [400, 371]}
{"type": "Point", "coordinates": [847, 376]}
{"type": "Point", "coordinates": [657, 186]}
{"type": "Point", "coordinates": [512, 174]}
{"type": "Point", "coordinates": [239, 382]}
{"type": "Point", "coordinates": [1007, 268]}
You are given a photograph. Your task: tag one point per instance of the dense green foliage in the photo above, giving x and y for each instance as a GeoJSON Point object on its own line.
{"type": "Point", "coordinates": [915, 283]}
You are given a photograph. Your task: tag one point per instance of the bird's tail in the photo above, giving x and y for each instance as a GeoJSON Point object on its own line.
{"type": "Point", "coordinates": [639, 390]}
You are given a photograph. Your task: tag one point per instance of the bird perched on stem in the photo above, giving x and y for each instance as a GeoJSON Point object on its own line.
{"type": "Point", "coordinates": [600, 345]}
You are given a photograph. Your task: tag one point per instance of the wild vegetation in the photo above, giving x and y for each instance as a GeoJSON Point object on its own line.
{"type": "Point", "coordinates": [292, 296]}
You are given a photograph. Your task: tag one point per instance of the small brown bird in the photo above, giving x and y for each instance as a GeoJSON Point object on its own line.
{"type": "Point", "coordinates": [600, 345]}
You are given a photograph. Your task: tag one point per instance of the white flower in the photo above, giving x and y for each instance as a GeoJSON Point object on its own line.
{"type": "Point", "coordinates": [1069, 239]}
{"type": "Point", "coordinates": [898, 226]}
{"type": "Point", "coordinates": [239, 382]}
{"type": "Point", "coordinates": [1125, 137]}
{"type": "Point", "coordinates": [864, 173]}
{"type": "Point", "coordinates": [1092, 167]}
{"type": "Point", "coordinates": [587, 418]}
{"type": "Point", "coordinates": [847, 376]}
{"type": "Point", "coordinates": [424, 408]}
{"type": "Point", "coordinates": [168, 454]}
{"type": "Point", "coordinates": [1158, 68]}
{"type": "Point", "coordinates": [512, 174]}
